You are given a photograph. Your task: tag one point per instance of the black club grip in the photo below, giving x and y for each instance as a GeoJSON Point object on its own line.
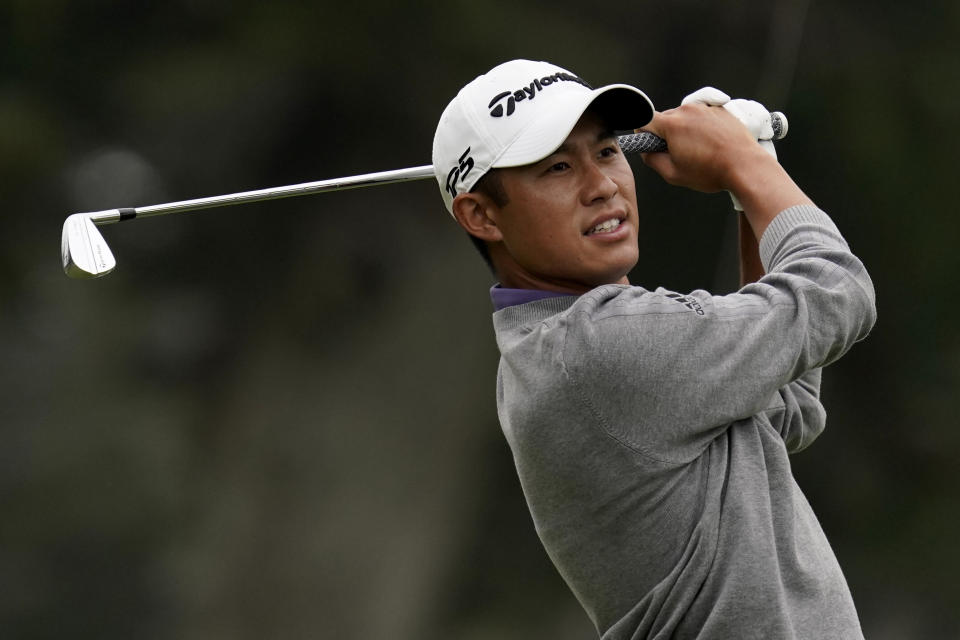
{"type": "Point", "coordinates": [645, 142]}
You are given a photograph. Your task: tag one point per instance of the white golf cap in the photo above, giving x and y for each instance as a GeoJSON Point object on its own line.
{"type": "Point", "coordinates": [518, 113]}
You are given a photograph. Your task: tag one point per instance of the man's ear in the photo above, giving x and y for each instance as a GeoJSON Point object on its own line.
{"type": "Point", "coordinates": [476, 213]}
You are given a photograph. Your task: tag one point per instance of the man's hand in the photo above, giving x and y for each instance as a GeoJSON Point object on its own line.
{"type": "Point", "coordinates": [705, 146]}
{"type": "Point", "coordinates": [710, 150]}
{"type": "Point", "coordinates": [751, 113]}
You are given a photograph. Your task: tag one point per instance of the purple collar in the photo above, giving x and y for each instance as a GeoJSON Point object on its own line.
{"type": "Point", "coordinates": [503, 298]}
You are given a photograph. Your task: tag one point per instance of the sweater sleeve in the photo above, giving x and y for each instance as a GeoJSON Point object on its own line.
{"type": "Point", "coordinates": [797, 415]}
{"type": "Point", "coordinates": [685, 367]}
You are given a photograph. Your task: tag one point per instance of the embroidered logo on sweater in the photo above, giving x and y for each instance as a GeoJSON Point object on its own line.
{"type": "Point", "coordinates": [688, 302]}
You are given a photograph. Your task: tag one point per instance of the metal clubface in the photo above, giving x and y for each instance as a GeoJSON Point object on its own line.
{"type": "Point", "coordinates": [84, 252]}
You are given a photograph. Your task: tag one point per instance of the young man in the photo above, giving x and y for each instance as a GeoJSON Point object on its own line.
{"type": "Point", "coordinates": [651, 429]}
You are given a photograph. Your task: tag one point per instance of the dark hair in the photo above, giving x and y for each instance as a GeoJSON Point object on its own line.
{"type": "Point", "coordinates": [491, 186]}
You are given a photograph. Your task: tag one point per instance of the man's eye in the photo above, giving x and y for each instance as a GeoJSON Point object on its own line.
{"type": "Point", "coordinates": [609, 151]}
{"type": "Point", "coordinates": [558, 166]}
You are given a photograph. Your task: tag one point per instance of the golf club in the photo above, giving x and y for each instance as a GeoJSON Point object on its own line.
{"type": "Point", "coordinates": [85, 253]}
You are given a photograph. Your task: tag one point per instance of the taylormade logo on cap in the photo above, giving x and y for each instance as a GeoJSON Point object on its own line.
{"type": "Point", "coordinates": [528, 92]}
{"type": "Point", "coordinates": [518, 113]}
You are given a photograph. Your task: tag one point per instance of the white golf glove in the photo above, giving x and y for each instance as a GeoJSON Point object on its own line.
{"type": "Point", "coordinates": [752, 114]}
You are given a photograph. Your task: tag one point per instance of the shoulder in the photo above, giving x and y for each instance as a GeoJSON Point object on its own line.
{"type": "Point", "coordinates": [612, 305]}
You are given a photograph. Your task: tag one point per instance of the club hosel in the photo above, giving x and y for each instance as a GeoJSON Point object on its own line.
{"type": "Point", "coordinates": [111, 216]}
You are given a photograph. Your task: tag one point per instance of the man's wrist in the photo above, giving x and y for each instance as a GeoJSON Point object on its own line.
{"type": "Point", "coordinates": [764, 189]}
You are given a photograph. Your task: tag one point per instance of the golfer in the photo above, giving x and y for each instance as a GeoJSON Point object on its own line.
{"type": "Point", "coordinates": [651, 429]}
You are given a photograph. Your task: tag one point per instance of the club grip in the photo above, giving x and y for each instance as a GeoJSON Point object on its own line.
{"type": "Point", "coordinates": [645, 142]}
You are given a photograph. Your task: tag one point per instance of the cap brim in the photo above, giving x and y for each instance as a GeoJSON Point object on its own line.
{"type": "Point", "coordinates": [622, 107]}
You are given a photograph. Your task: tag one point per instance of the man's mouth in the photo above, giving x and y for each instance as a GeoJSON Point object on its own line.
{"type": "Point", "coordinates": [606, 226]}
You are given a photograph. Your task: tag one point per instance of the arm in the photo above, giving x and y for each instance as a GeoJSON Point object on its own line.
{"type": "Point", "coordinates": [802, 417]}
{"type": "Point", "coordinates": [796, 412]}
{"type": "Point", "coordinates": [686, 367]}
{"type": "Point", "coordinates": [755, 351]}
{"type": "Point", "coordinates": [751, 267]}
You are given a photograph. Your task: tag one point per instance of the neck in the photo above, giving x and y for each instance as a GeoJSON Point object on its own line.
{"type": "Point", "coordinates": [513, 276]}
{"type": "Point", "coordinates": [518, 281]}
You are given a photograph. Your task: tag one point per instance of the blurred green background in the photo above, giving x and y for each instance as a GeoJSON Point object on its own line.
{"type": "Point", "coordinates": [278, 420]}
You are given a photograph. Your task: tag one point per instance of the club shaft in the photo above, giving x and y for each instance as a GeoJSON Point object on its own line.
{"type": "Point", "coordinates": [273, 193]}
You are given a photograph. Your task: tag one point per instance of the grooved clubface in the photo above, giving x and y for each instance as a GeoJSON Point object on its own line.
{"type": "Point", "coordinates": [84, 251]}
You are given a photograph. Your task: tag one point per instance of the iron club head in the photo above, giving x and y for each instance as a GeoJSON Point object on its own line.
{"type": "Point", "coordinates": [84, 251]}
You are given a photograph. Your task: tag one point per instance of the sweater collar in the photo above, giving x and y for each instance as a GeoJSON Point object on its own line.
{"type": "Point", "coordinates": [503, 297]}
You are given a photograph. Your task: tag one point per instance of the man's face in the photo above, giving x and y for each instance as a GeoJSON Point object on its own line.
{"type": "Point", "coordinates": [571, 220]}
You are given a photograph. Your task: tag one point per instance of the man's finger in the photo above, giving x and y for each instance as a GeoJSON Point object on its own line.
{"type": "Point", "coordinates": [754, 117]}
{"type": "Point", "coordinates": [709, 96]}
{"type": "Point", "coordinates": [662, 163]}
{"type": "Point", "coordinates": [653, 126]}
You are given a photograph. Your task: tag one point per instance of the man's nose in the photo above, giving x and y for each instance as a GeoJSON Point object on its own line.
{"type": "Point", "coordinates": [597, 185]}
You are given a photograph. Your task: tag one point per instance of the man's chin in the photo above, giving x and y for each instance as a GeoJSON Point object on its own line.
{"type": "Point", "coordinates": [613, 277]}
{"type": "Point", "coordinates": [619, 274]}
{"type": "Point", "coordinates": [614, 280]}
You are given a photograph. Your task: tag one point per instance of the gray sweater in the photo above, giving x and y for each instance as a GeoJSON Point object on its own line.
{"type": "Point", "coordinates": [651, 434]}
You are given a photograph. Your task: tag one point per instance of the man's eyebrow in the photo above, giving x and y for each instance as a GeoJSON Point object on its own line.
{"type": "Point", "coordinates": [606, 134]}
